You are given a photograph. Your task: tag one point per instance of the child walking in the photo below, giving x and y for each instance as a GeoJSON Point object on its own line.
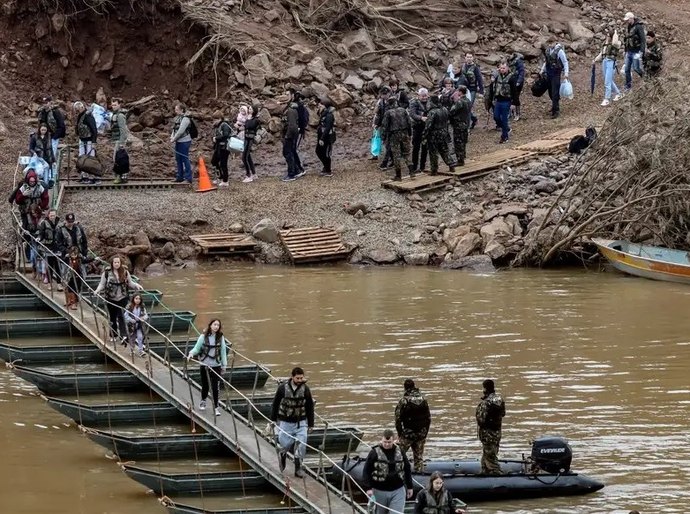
{"type": "Point", "coordinates": [135, 315]}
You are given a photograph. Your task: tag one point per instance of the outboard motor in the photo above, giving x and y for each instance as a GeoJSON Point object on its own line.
{"type": "Point", "coordinates": [552, 454]}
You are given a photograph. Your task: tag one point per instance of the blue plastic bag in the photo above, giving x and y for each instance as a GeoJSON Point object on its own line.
{"type": "Point", "coordinates": [39, 165]}
{"type": "Point", "coordinates": [567, 90]}
{"type": "Point", "coordinates": [101, 116]}
{"type": "Point", "coordinates": [376, 143]}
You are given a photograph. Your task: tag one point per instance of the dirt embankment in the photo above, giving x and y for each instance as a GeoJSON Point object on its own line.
{"type": "Point", "coordinates": [213, 54]}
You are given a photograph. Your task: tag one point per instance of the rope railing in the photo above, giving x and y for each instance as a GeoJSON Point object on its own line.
{"type": "Point", "coordinates": [253, 411]}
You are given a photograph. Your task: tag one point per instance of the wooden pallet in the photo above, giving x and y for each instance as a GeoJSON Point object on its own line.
{"type": "Point", "coordinates": [420, 183]}
{"type": "Point", "coordinates": [566, 134]}
{"type": "Point", "coordinates": [545, 146]}
{"type": "Point", "coordinates": [490, 162]}
{"type": "Point", "coordinates": [157, 183]}
{"type": "Point", "coordinates": [313, 244]}
{"type": "Point", "coordinates": [224, 244]}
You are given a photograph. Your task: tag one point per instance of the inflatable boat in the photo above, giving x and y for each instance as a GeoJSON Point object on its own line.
{"type": "Point", "coordinates": [545, 473]}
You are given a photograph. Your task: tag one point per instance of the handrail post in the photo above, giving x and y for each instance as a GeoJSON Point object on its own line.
{"type": "Point", "coordinates": [256, 435]}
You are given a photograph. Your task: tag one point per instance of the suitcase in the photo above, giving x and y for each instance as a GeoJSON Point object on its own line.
{"type": "Point", "coordinates": [90, 164]}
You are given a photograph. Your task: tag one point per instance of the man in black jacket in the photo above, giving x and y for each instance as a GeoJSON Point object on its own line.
{"type": "Point", "coordinates": [87, 133]}
{"type": "Point", "coordinates": [387, 475]}
{"type": "Point", "coordinates": [418, 110]}
{"type": "Point", "coordinates": [290, 137]}
{"type": "Point", "coordinates": [52, 116]}
{"type": "Point", "coordinates": [635, 46]}
{"type": "Point", "coordinates": [293, 413]}
{"type": "Point", "coordinates": [325, 136]}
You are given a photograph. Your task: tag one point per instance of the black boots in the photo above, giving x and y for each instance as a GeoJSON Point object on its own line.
{"type": "Point", "coordinates": [282, 460]}
{"type": "Point", "coordinates": [298, 469]}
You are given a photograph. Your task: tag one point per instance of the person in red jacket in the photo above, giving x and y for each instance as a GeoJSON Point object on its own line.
{"type": "Point", "coordinates": [31, 192]}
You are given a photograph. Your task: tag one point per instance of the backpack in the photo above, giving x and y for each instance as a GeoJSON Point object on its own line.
{"type": "Point", "coordinates": [193, 131]}
{"type": "Point", "coordinates": [540, 86]}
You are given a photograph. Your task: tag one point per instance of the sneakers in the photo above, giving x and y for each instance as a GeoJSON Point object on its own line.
{"type": "Point", "coordinates": [223, 184]}
{"type": "Point", "coordinates": [288, 178]}
{"type": "Point", "coordinates": [60, 288]}
{"type": "Point", "coordinates": [188, 182]}
{"type": "Point", "coordinates": [605, 102]}
{"type": "Point", "coordinates": [178, 180]}
{"type": "Point", "coordinates": [141, 353]}
{"type": "Point", "coordinates": [617, 97]}
{"type": "Point", "coordinates": [123, 342]}
{"type": "Point", "coordinates": [255, 176]}
{"type": "Point", "coordinates": [248, 179]}
{"type": "Point", "coordinates": [217, 411]}
{"type": "Point", "coordinates": [326, 174]}
{"type": "Point", "coordinates": [503, 141]}
{"type": "Point", "coordinates": [202, 405]}
{"type": "Point", "coordinates": [215, 181]}
{"type": "Point", "coordinates": [118, 180]}
{"type": "Point", "coordinates": [301, 174]}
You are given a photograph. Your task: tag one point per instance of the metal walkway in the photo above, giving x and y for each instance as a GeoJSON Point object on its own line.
{"type": "Point", "coordinates": [234, 431]}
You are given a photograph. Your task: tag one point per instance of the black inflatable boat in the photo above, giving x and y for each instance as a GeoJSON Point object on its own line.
{"type": "Point", "coordinates": [545, 473]}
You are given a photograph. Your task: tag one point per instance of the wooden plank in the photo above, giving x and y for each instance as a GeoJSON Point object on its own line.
{"type": "Point", "coordinates": [299, 232]}
{"type": "Point", "coordinates": [545, 146]}
{"type": "Point", "coordinates": [492, 161]}
{"type": "Point", "coordinates": [420, 182]}
{"type": "Point", "coordinates": [566, 134]}
{"type": "Point", "coordinates": [214, 237]}
{"type": "Point", "coordinates": [313, 244]}
{"type": "Point", "coordinates": [325, 237]}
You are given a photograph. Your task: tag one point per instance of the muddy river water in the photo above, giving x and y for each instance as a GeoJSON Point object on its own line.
{"type": "Point", "coordinates": [599, 358]}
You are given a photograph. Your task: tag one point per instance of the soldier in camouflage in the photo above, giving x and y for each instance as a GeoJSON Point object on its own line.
{"type": "Point", "coordinates": [436, 135]}
{"type": "Point", "coordinates": [396, 130]}
{"type": "Point", "coordinates": [490, 413]}
{"type": "Point", "coordinates": [412, 422]}
{"type": "Point", "coordinates": [652, 56]}
{"type": "Point", "coordinates": [460, 114]}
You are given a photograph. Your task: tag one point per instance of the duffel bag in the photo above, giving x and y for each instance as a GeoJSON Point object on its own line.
{"type": "Point", "coordinates": [90, 164]}
{"type": "Point", "coordinates": [540, 86]}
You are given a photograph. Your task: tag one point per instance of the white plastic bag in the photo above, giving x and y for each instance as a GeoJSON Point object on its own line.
{"type": "Point", "coordinates": [101, 116]}
{"type": "Point", "coordinates": [39, 165]}
{"type": "Point", "coordinates": [567, 90]}
{"type": "Point", "coordinates": [236, 145]}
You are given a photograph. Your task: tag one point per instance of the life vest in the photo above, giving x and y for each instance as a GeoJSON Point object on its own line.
{"type": "Point", "coordinates": [433, 507]}
{"type": "Point", "coordinates": [70, 239]}
{"type": "Point", "coordinates": [552, 59]}
{"type": "Point", "coordinates": [32, 195]}
{"type": "Point", "coordinates": [83, 130]}
{"type": "Point", "coordinates": [207, 348]}
{"type": "Point", "coordinates": [470, 73]}
{"type": "Point", "coordinates": [503, 85]}
{"type": "Point", "coordinates": [293, 403]}
{"type": "Point", "coordinates": [611, 51]}
{"type": "Point", "coordinates": [49, 232]}
{"type": "Point", "coordinates": [381, 467]}
{"type": "Point", "coordinates": [113, 286]}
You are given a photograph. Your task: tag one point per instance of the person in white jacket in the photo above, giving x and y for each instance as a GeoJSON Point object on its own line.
{"type": "Point", "coordinates": [610, 52]}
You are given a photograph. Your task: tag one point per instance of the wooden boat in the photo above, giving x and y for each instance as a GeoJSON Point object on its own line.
{"type": "Point", "coordinates": [180, 508]}
{"type": "Point", "coordinates": [196, 482]}
{"type": "Point", "coordinates": [58, 326]}
{"type": "Point", "coordinates": [102, 382]}
{"type": "Point", "coordinates": [464, 480]}
{"type": "Point", "coordinates": [653, 262]}
{"type": "Point", "coordinates": [174, 446]}
{"type": "Point", "coordinates": [150, 297]}
{"type": "Point", "coordinates": [128, 413]}
{"type": "Point", "coordinates": [10, 285]}
{"type": "Point", "coordinates": [22, 302]}
{"type": "Point", "coordinates": [160, 447]}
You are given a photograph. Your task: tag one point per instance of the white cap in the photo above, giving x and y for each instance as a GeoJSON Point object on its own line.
{"type": "Point", "coordinates": [628, 16]}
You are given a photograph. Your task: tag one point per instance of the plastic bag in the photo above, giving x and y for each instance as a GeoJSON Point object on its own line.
{"type": "Point", "coordinates": [567, 90]}
{"type": "Point", "coordinates": [376, 143]}
{"type": "Point", "coordinates": [101, 116]}
{"type": "Point", "coordinates": [236, 145]}
{"type": "Point", "coordinates": [39, 165]}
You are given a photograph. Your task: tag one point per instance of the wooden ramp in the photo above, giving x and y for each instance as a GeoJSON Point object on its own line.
{"type": "Point", "coordinates": [313, 244]}
{"type": "Point", "coordinates": [236, 432]}
{"type": "Point", "coordinates": [545, 146]}
{"type": "Point", "coordinates": [490, 162]}
{"type": "Point", "coordinates": [566, 134]}
{"type": "Point", "coordinates": [225, 244]}
{"type": "Point", "coordinates": [420, 183]}
{"type": "Point", "coordinates": [107, 183]}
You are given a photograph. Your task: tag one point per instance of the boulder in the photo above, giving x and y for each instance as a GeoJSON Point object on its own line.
{"type": "Point", "coordinates": [156, 268]}
{"type": "Point", "coordinates": [468, 36]}
{"type": "Point", "coordinates": [274, 107]}
{"type": "Point", "coordinates": [266, 231]}
{"type": "Point", "coordinates": [294, 72]}
{"type": "Point", "coordinates": [152, 119]}
{"type": "Point", "coordinates": [236, 228]}
{"type": "Point", "coordinates": [340, 97]}
{"type": "Point", "coordinates": [140, 238]}
{"type": "Point", "coordinates": [272, 15]}
{"type": "Point", "coordinates": [317, 69]}
{"type": "Point", "coordinates": [101, 97]}
{"type": "Point", "coordinates": [353, 207]}
{"type": "Point", "coordinates": [416, 259]}
{"type": "Point", "coordinates": [320, 91]}
{"type": "Point", "coordinates": [358, 42]}
{"type": "Point", "coordinates": [505, 209]}
{"type": "Point", "coordinates": [58, 21]}
{"type": "Point", "coordinates": [264, 116]}
{"type": "Point", "coordinates": [64, 62]}
{"type": "Point", "coordinates": [495, 250]}
{"type": "Point", "coordinates": [354, 81]}
{"type": "Point", "coordinates": [106, 60]}
{"type": "Point", "coordinates": [480, 263]}
{"type": "Point", "coordinates": [577, 31]}
{"type": "Point", "coordinates": [167, 251]}
{"type": "Point", "coordinates": [468, 244]}
{"type": "Point", "coordinates": [545, 186]}
{"type": "Point", "coordinates": [529, 51]}
{"type": "Point", "coordinates": [451, 236]}
{"type": "Point", "coordinates": [258, 69]}
{"type": "Point", "coordinates": [302, 53]}
{"type": "Point", "coordinates": [143, 261]}
{"type": "Point", "coordinates": [381, 256]}
{"type": "Point", "coordinates": [497, 230]}
{"type": "Point", "coordinates": [41, 30]}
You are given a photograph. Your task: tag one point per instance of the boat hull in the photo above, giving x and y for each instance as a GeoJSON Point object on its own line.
{"type": "Point", "coordinates": [648, 264]}
{"type": "Point", "coordinates": [196, 483]}
{"type": "Point", "coordinates": [463, 479]}
{"type": "Point", "coordinates": [179, 508]}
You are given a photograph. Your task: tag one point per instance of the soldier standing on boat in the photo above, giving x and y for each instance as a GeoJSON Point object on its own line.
{"type": "Point", "coordinates": [387, 475]}
{"type": "Point", "coordinates": [490, 413]}
{"type": "Point", "coordinates": [293, 413]}
{"type": "Point", "coordinates": [412, 422]}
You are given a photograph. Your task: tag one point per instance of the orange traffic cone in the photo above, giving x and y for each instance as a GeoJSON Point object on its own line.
{"type": "Point", "coordinates": [204, 180]}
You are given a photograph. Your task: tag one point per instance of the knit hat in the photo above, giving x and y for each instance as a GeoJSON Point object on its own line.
{"type": "Point", "coordinates": [31, 174]}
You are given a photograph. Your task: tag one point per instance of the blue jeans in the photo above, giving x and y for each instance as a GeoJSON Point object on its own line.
{"type": "Point", "coordinates": [184, 166]}
{"type": "Point", "coordinates": [290, 434]}
{"type": "Point", "coordinates": [501, 114]}
{"type": "Point", "coordinates": [631, 64]}
{"type": "Point", "coordinates": [608, 67]}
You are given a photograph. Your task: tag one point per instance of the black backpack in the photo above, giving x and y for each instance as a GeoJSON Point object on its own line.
{"type": "Point", "coordinates": [193, 131]}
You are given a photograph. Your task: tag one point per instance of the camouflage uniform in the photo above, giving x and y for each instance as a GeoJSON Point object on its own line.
{"type": "Point", "coordinates": [490, 412]}
{"type": "Point", "coordinates": [396, 130]}
{"type": "Point", "coordinates": [412, 422]}
{"type": "Point", "coordinates": [436, 135]}
{"type": "Point", "coordinates": [459, 120]}
{"type": "Point", "coordinates": [652, 60]}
